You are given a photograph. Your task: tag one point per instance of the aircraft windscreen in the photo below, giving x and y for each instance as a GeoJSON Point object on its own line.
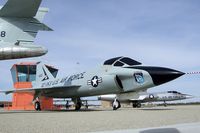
{"type": "Point", "coordinates": [121, 61]}
{"type": "Point", "coordinates": [118, 63]}
{"type": "Point", "coordinates": [111, 61]}
{"type": "Point", "coordinates": [130, 61]}
{"type": "Point", "coordinates": [175, 92]}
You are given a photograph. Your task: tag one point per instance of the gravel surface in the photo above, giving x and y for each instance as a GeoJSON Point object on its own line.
{"type": "Point", "coordinates": [95, 119]}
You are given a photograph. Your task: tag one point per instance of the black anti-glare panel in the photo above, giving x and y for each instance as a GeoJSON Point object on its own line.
{"type": "Point", "coordinates": [160, 75]}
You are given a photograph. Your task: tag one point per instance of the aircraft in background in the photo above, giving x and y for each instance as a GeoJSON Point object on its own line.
{"type": "Point", "coordinates": [20, 21]}
{"type": "Point", "coordinates": [67, 103]}
{"type": "Point", "coordinates": [143, 97]}
{"type": "Point", "coordinates": [120, 75]}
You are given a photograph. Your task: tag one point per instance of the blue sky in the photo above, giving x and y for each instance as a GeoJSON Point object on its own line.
{"type": "Point", "coordinates": [158, 33]}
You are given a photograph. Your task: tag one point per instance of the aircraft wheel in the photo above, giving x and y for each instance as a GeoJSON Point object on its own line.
{"type": "Point", "coordinates": [116, 104]}
{"type": "Point", "coordinates": [139, 105]}
{"type": "Point", "coordinates": [37, 106]}
{"type": "Point", "coordinates": [165, 104]}
{"type": "Point", "coordinates": [67, 105]}
{"type": "Point", "coordinates": [78, 106]}
{"type": "Point", "coordinates": [134, 105]}
{"type": "Point", "coordinates": [86, 106]}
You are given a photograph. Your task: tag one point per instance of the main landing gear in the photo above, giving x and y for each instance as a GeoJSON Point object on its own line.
{"type": "Point", "coordinates": [67, 105]}
{"type": "Point", "coordinates": [136, 105]}
{"type": "Point", "coordinates": [116, 104]}
{"type": "Point", "coordinates": [165, 104]}
{"type": "Point", "coordinates": [78, 103]}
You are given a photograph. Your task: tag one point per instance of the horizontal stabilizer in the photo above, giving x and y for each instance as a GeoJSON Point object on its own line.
{"type": "Point", "coordinates": [20, 8]}
{"type": "Point", "coordinates": [45, 28]}
{"type": "Point", "coordinates": [37, 25]}
{"type": "Point", "coordinates": [23, 29]}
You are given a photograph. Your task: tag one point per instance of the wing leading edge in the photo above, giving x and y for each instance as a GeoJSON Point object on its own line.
{"type": "Point", "coordinates": [40, 90]}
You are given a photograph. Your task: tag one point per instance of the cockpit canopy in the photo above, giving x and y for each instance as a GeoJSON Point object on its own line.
{"type": "Point", "coordinates": [121, 61]}
{"type": "Point", "coordinates": [174, 92]}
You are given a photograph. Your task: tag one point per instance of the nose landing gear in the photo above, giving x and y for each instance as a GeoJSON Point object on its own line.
{"type": "Point", "coordinates": [37, 106]}
{"type": "Point", "coordinates": [116, 104]}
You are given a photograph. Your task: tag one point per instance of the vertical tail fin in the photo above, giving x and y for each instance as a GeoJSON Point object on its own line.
{"type": "Point", "coordinates": [20, 8]}
{"type": "Point", "coordinates": [21, 23]}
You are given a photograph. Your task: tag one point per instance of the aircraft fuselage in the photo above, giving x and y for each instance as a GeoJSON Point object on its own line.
{"type": "Point", "coordinates": [105, 80]}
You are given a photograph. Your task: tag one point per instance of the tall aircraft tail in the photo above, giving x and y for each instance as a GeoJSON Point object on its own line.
{"type": "Point", "coordinates": [45, 73]}
{"type": "Point", "coordinates": [21, 23]}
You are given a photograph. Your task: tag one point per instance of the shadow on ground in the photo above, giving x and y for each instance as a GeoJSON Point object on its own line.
{"type": "Point", "coordinates": [49, 111]}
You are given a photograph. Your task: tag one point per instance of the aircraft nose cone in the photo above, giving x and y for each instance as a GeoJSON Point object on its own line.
{"type": "Point", "coordinates": [162, 75]}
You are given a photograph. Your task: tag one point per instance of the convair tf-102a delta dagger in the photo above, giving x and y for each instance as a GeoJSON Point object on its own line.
{"type": "Point", "coordinates": [117, 76]}
{"type": "Point", "coordinates": [20, 21]}
{"type": "Point", "coordinates": [142, 97]}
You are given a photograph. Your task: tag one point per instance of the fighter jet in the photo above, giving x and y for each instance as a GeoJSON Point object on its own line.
{"type": "Point", "coordinates": [143, 97]}
{"type": "Point", "coordinates": [20, 21]}
{"type": "Point", "coordinates": [120, 75]}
